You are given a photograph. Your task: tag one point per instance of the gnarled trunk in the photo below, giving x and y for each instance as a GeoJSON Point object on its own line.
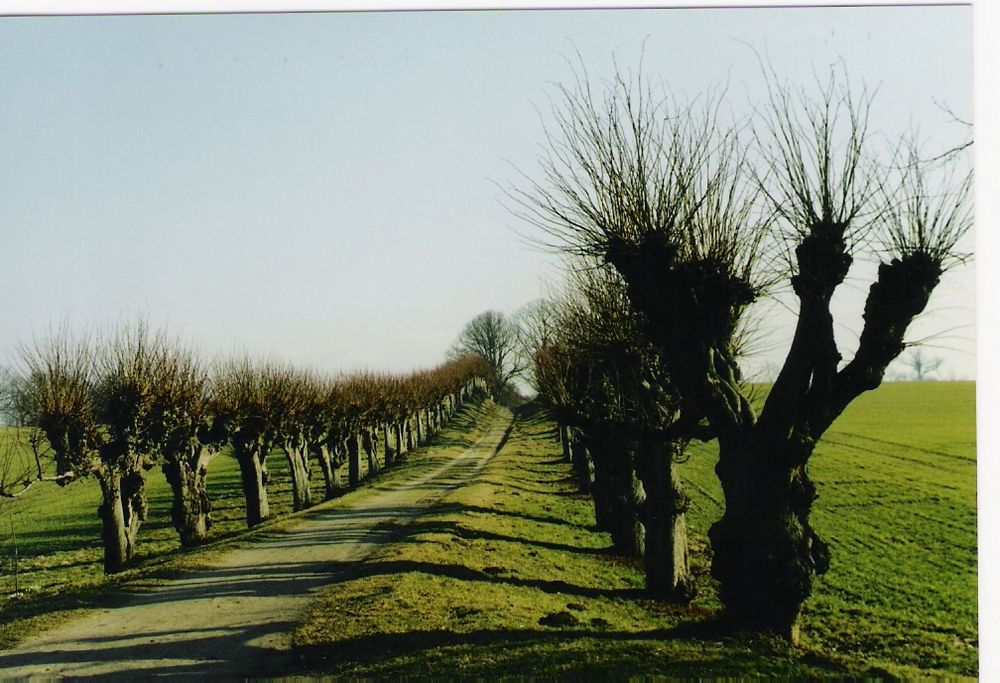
{"type": "Point", "coordinates": [296, 452]}
{"type": "Point", "coordinates": [388, 454]}
{"type": "Point", "coordinates": [400, 443]}
{"type": "Point", "coordinates": [421, 429]}
{"type": "Point", "coordinates": [322, 453]}
{"type": "Point", "coordinates": [133, 491]}
{"type": "Point", "coordinates": [191, 509]}
{"type": "Point", "coordinates": [253, 476]}
{"type": "Point", "coordinates": [563, 435]}
{"type": "Point", "coordinates": [766, 556]}
{"type": "Point", "coordinates": [618, 495]}
{"type": "Point", "coordinates": [370, 445]}
{"type": "Point", "coordinates": [668, 574]}
{"type": "Point", "coordinates": [583, 467]}
{"type": "Point", "coordinates": [353, 462]}
{"type": "Point", "coordinates": [113, 530]}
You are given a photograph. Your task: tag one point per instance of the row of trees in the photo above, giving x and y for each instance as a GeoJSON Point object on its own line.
{"type": "Point", "coordinates": [676, 224]}
{"type": "Point", "coordinates": [114, 408]}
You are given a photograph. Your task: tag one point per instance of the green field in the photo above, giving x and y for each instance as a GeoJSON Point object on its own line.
{"type": "Point", "coordinates": [58, 532]}
{"type": "Point", "coordinates": [897, 503]}
{"type": "Point", "coordinates": [508, 576]}
{"type": "Point", "coordinates": [482, 585]}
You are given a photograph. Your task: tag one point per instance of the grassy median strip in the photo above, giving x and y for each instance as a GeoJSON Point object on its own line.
{"type": "Point", "coordinates": [508, 577]}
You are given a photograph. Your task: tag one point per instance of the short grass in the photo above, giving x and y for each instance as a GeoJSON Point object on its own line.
{"type": "Point", "coordinates": [507, 577]}
{"type": "Point", "coordinates": [60, 569]}
{"type": "Point", "coordinates": [897, 502]}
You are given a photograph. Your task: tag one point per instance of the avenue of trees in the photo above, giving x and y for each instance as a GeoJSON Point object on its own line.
{"type": "Point", "coordinates": [115, 407]}
{"type": "Point", "coordinates": [675, 223]}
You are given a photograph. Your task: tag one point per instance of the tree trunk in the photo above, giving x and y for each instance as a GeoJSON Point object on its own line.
{"type": "Point", "coordinates": [322, 453]}
{"type": "Point", "coordinates": [421, 431]}
{"type": "Point", "coordinates": [253, 476]}
{"type": "Point", "coordinates": [765, 554]}
{"type": "Point", "coordinates": [409, 434]}
{"type": "Point", "coordinates": [622, 494]}
{"type": "Point", "coordinates": [387, 451]}
{"type": "Point", "coordinates": [668, 575]}
{"type": "Point", "coordinates": [133, 492]}
{"type": "Point", "coordinates": [583, 467]}
{"type": "Point", "coordinates": [296, 454]}
{"type": "Point", "coordinates": [600, 489]}
{"type": "Point", "coordinates": [353, 462]}
{"type": "Point", "coordinates": [113, 532]}
{"type": "Point", "coordinates": [398, 432]}
{"type": "Point", "coordinates": [369, 442]}
{"type": "Point", "coordinates": [564, 441]}
{"type": "Point", "coordinates": [191, 509]}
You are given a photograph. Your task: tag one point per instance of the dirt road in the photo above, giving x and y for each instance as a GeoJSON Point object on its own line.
{"type": "Point", "coordinates": [234, 618]}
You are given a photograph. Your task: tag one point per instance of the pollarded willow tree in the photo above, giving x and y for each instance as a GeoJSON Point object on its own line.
{"type": "Point", "coordinates": [603, 376]}
{"type": "Point", "coordinates": [188, 436]}
{"type": "Point", "coordinates": [93, 403]}
{"type": "Point", "coordinates": [675, 202]}
{"type": "Point", "coordinates": [243, 407]}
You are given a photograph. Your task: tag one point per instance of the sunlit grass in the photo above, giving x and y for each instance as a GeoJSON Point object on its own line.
{"type": "Point", "coordinates": [507, 577]}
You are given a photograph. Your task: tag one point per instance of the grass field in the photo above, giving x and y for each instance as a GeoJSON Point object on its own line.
{"type": "Point", "coordinates": [508, 577]}
{"type": "Point", "coordinates": [897, 485]}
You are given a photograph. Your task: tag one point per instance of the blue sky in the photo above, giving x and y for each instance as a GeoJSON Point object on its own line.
{"type": "Point", "coordinates": [323, 187]}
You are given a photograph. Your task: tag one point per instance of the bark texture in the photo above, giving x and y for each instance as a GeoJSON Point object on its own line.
{"type": "Point", "coordinates": [253, 477]}
{"type": "Point", "coordinates": [191, 508]}
{"type": "Point", "coordinates": [668, 574]}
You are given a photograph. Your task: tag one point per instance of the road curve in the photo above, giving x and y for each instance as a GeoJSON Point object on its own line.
{"type": "Point", "coordinates": [234, 618]}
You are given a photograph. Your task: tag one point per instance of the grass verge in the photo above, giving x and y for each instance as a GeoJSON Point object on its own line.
{"type": "Point", "coordinates": [507, 577]}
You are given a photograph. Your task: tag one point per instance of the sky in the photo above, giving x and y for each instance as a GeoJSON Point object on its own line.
{"type": "Point", "coordinates": [327, 188]}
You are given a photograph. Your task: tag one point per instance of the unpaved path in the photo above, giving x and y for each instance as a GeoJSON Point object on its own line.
{"type": "Point", "coordinates": [234, 618]}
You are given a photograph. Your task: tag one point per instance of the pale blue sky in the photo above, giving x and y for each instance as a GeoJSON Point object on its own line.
{"type": "Point", "coordinates": [318, 186]}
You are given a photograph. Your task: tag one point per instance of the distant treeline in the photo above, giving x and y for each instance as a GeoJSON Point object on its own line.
{"type": "Point", "coordinates": [114, 407]}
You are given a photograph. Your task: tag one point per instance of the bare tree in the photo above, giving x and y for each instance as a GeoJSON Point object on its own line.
{"type": "Point", "coordinates": [922, 366]}
{"type": "Point", "coordinates": [603, 377]}
{"type": "Point", "coordinates": [293, 399]}
{"type": "Point", "coordinates": [665, 194]}
{"type": "Point", "coordinates": [537, 325]}
{"type": "Point", "coordinates": [493, 337]}
{"type": "Point", "coordinates": [243, 405]}
{"type": "Point", "coordinates": [91, 411]}
{"type": "Point", "coordinates": [188, 435]}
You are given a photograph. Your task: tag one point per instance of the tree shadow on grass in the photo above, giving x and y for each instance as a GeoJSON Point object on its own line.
{"type": "Point", "coordinates": [461, 508]}
{"type": "Point", "coordinates": [463, 573]}
{"type": "Point", "coordinates": [463, 532]}
{"type": "Point", "coordinates": [515, 651]}
{"type": "Point", "coordinates": [189, 653]}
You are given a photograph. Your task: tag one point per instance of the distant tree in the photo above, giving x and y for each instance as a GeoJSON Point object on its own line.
{"type": "Point", "coordinates": [493, 337]}
{"type": "Point", "coordinates": [922, 366]}
{"type": "Point", "coordinates": [537, 325]}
